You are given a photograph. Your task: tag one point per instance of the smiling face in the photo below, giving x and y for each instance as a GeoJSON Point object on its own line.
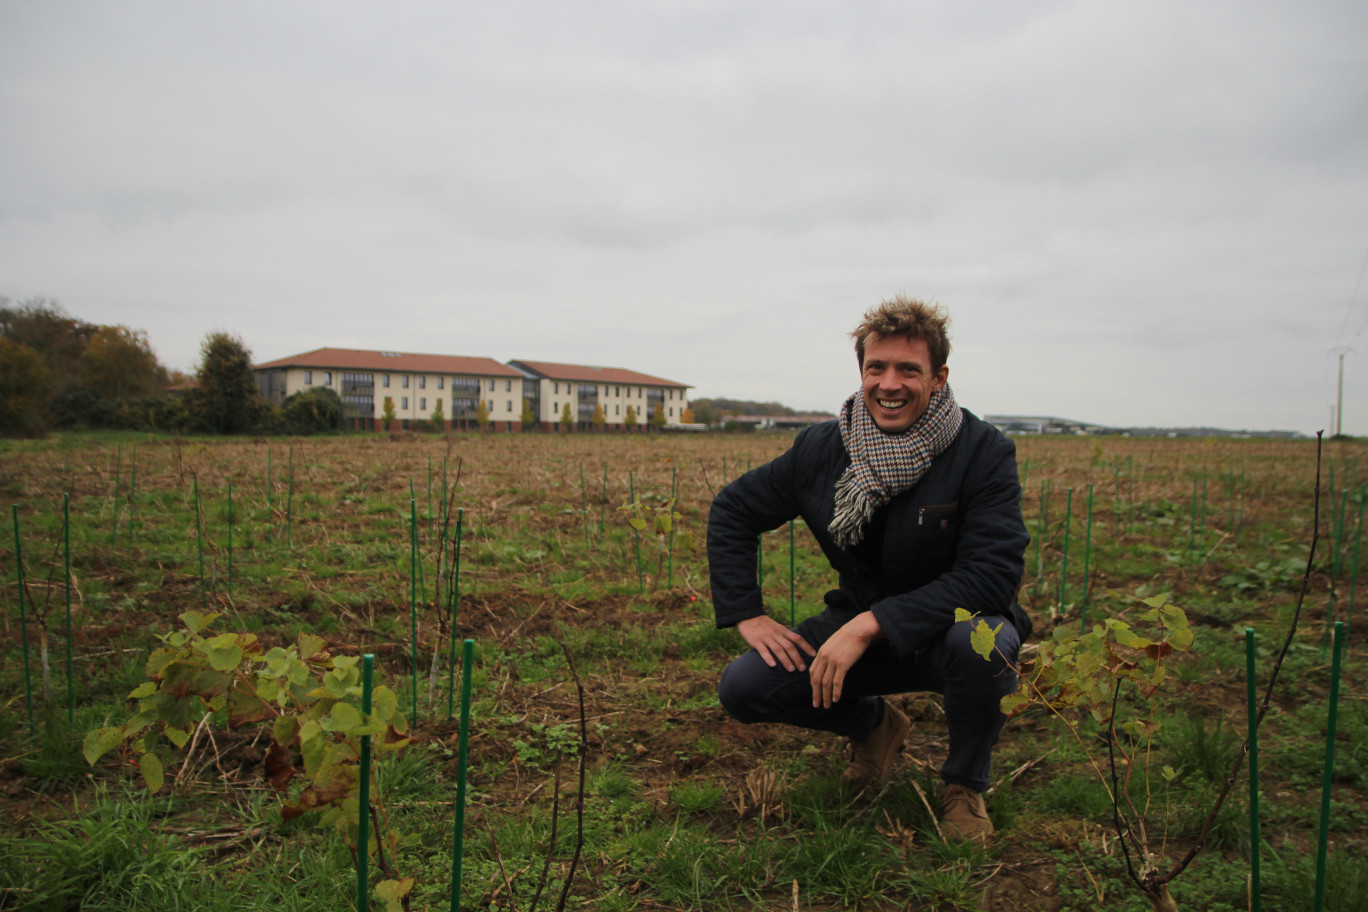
{"type": "Point", "coordinates": [898, 380]}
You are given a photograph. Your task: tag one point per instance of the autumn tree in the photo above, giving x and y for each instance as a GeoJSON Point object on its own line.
{"type": "Point", "coordinates": [528, 418]}
{"type": "Point", "coordinates": [437, 420]}
{"type": "Point", "coordinates": [226, 398]}
{"type": "Point", "coordinates": [630, 419]}
{"type": "Point", "coordinates": [23, 380]}
{"type": "Point", "coordinates": [687, 417]}
{"type": "Point", "coordinates": [119, 362]}
{"type": "Point", "coordinates": [482, 415]}
{"type": "Point", "coordinates": [57, 338]}
{"type": "Point", "coordinates": [658, 415]}
{"type": "Point", "coordinates": [566, 418]}
{"type": "Point", "coordinates": [387, 414]}
{"type": "Point", "coordinates": [599, 419]}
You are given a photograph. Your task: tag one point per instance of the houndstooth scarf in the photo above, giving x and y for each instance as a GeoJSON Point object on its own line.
{"type": "Point", "coordinates": [884, 465]}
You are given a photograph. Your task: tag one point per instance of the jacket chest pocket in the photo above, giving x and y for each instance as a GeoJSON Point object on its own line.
{"type": "Point", "coordinates": [933, 519]}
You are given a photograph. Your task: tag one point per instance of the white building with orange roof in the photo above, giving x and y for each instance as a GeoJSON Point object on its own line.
{"type": "Point", "coordinates": [621, 393]}
{"type": "Point", "coordinates": [422, 386]}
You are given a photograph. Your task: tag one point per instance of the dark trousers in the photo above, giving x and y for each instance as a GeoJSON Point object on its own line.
{"type": "Point", "coordinates": [754, 692]}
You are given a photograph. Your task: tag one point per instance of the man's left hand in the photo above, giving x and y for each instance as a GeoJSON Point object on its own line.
{"type": "Point", "coordinates": [836, 656]}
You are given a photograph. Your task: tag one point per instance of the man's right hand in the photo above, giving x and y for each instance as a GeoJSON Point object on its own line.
{"type": "Point", "coordinates": [776, 644]}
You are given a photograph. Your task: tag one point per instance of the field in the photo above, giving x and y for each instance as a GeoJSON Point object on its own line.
{"type": "Point", "coordinates": [681, 808]}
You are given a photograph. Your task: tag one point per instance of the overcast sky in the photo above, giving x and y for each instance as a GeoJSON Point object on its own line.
{"type": "Point", "coordinates": [1148, 213]}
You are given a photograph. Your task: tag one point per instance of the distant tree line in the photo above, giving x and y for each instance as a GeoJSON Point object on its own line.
{"type": "Point", "coordinates": [58, 372]}
{"type": "Point", "coordinates": [717, 410]}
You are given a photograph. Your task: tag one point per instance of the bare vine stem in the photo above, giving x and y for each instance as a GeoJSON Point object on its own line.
{"type": "Point", "coordinates": [579, 798]}
{"type": "Point", "coordinates": [1181, 864]}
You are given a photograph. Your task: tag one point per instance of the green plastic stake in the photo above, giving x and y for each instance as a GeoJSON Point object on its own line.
{"type": "Point", "coordinates": [793, 595]}
{"type": "Point", "coordinates": [1044, 525]}
{"type": "Point", "coordinates": [230, 539]}
{"type": "Point", "coordinates": [1130, 500]}
{"type": "Point", "coordinates": [1322, 848]}
{"type": "Point", "coordinates": [1116, 485]}
{"type": "Point", "coordinates": [760, 560]}
{"type": "Point", "coordinates": [199, 546]}
{"type": "Point", "coordinates": [603, 499]}
{"type": "Point", "coordinates": [269, 481]}
{"type": "Point", "coordinates": [1255, 845]}
{"type": "Point", "coordinates": [363, 812]}
{"type": "Point", "coordinates": [289, 504]}
{"type": "Point", "coordinates": [669, 554]}
{"type": "Point", "coordinates": [133, 495]}
{"type": "Point", "coordinates": [23, 616]}
{"type": "Point", "coordinates": [1064, 570]}
{"type": "Point", "coordinates": [429, 498]}
{"type": "Point", "coordinates": [584, 505]}
{"type": "Point", "coordinates": [1353, 579]}
{"type": "Point", "coordinates": [1201, 523]}
{"type": "Point", "coordinates": [1025, 476]}
{"type": "Point", "coordinates": [455, 595]}
{"type": "Point", "coordinates": [631, 493]}
{"type": "Point", "coordinates": [118, 465]}
{"type": "Point", "coordinates": [1192, 530]}
{"type": "Point", "coordinates": [1087, 547]}
{"type": "Point", "coordinates": [66, 561]}
{"type": "Point", "coordinates": [462, 757]}
{"type": "Point", "coordinates": [413, 603]}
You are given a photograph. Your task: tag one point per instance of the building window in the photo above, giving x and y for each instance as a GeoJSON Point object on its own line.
{"type": "Point", "coordinates": [403, 402]}
{"type": "Point", "coordinates": [617, 409]}
{"type": "Point", "coordinates": [404, 381]}
{"type": "Point", "coordinates": [672, 411]}
{"type": "Point", "coordinates": [465, 393]}
{"type": "Point", "coordinates": [358, 395]}
{"type": "Point", "coordinates": [308, 376]}
{"type": "Point", "coordinates": [489, 403]}
{"type": "Point", "coordinates": [671, 394]}
{"type": "Point", "coordinates": [617, 391]}
{"type": "Point", "coordinates": [508, 386]}
{"type": "Point", "coordinates": [385, 382]}
{"type": "Point", "coordinates": [510, 406]}
{"type": "Point", "coordinates": [327, 378]}
{"type": "Point", "coordinates": [638, 392]}
{"type": "Point", "coordinates": [441, 382]}
{"type": "Point", "coordinates": [422, 382]}
{"type": "Point", "coordinates": [556, 390]}
{"type": "Point", "coordinates": [422, 403]}
{"type": "Point", "coordinates": [491, 389]}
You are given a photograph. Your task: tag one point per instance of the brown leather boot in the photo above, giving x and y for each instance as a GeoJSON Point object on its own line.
{"type": "Point", "coordinates": [964, 815]}
{"type": "Point", "coordinates": [872, 759]}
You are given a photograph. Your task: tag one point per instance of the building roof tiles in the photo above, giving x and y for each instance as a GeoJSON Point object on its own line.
{"type": "Point", "coordinates": [393, 362]}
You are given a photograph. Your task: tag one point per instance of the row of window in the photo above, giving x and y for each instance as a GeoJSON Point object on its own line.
{"type": "Point", "coordinates": [587, 391]}
{"type": "Point", "coordinates": [584, 390]}
{"type": "Point", "coordinates": [326, 380]}
{"type": "Point", "coordinates": [617, 410]}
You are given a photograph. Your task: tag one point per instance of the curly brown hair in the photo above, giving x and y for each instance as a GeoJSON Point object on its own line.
{"type": "Point", "coordinates": [903, 316]}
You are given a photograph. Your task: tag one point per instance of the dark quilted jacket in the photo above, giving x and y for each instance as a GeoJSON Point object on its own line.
{"type": "Point", "coordinates": [956, 539]}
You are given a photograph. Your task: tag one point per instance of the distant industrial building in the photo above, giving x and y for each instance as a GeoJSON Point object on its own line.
{"type": "Point", "coordinates": [456, 387]}
{"type": "Point", "coordinates": [1037, 424]}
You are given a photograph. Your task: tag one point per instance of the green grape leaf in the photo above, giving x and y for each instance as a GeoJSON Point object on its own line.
{"type": "Point", "coordinates": [195, 621]}
{"type": "Point", "coordinates": [223, 652]}
{"type": "Point", "coordinates": [101, 741]}
{"type": "Point", "coordinates": [984, 639]}
{"type": "Point", "coordinates": [152, 774]}
{"type": "Point", "coordinates": [392, 892]}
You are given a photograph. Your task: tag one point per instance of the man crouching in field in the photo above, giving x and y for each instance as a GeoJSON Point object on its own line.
{"type": "Point", "coordinates": [916, 504]}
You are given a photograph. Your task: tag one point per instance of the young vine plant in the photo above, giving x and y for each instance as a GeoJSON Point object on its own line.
{"type": "Point", "coordinates": [312, 701]}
